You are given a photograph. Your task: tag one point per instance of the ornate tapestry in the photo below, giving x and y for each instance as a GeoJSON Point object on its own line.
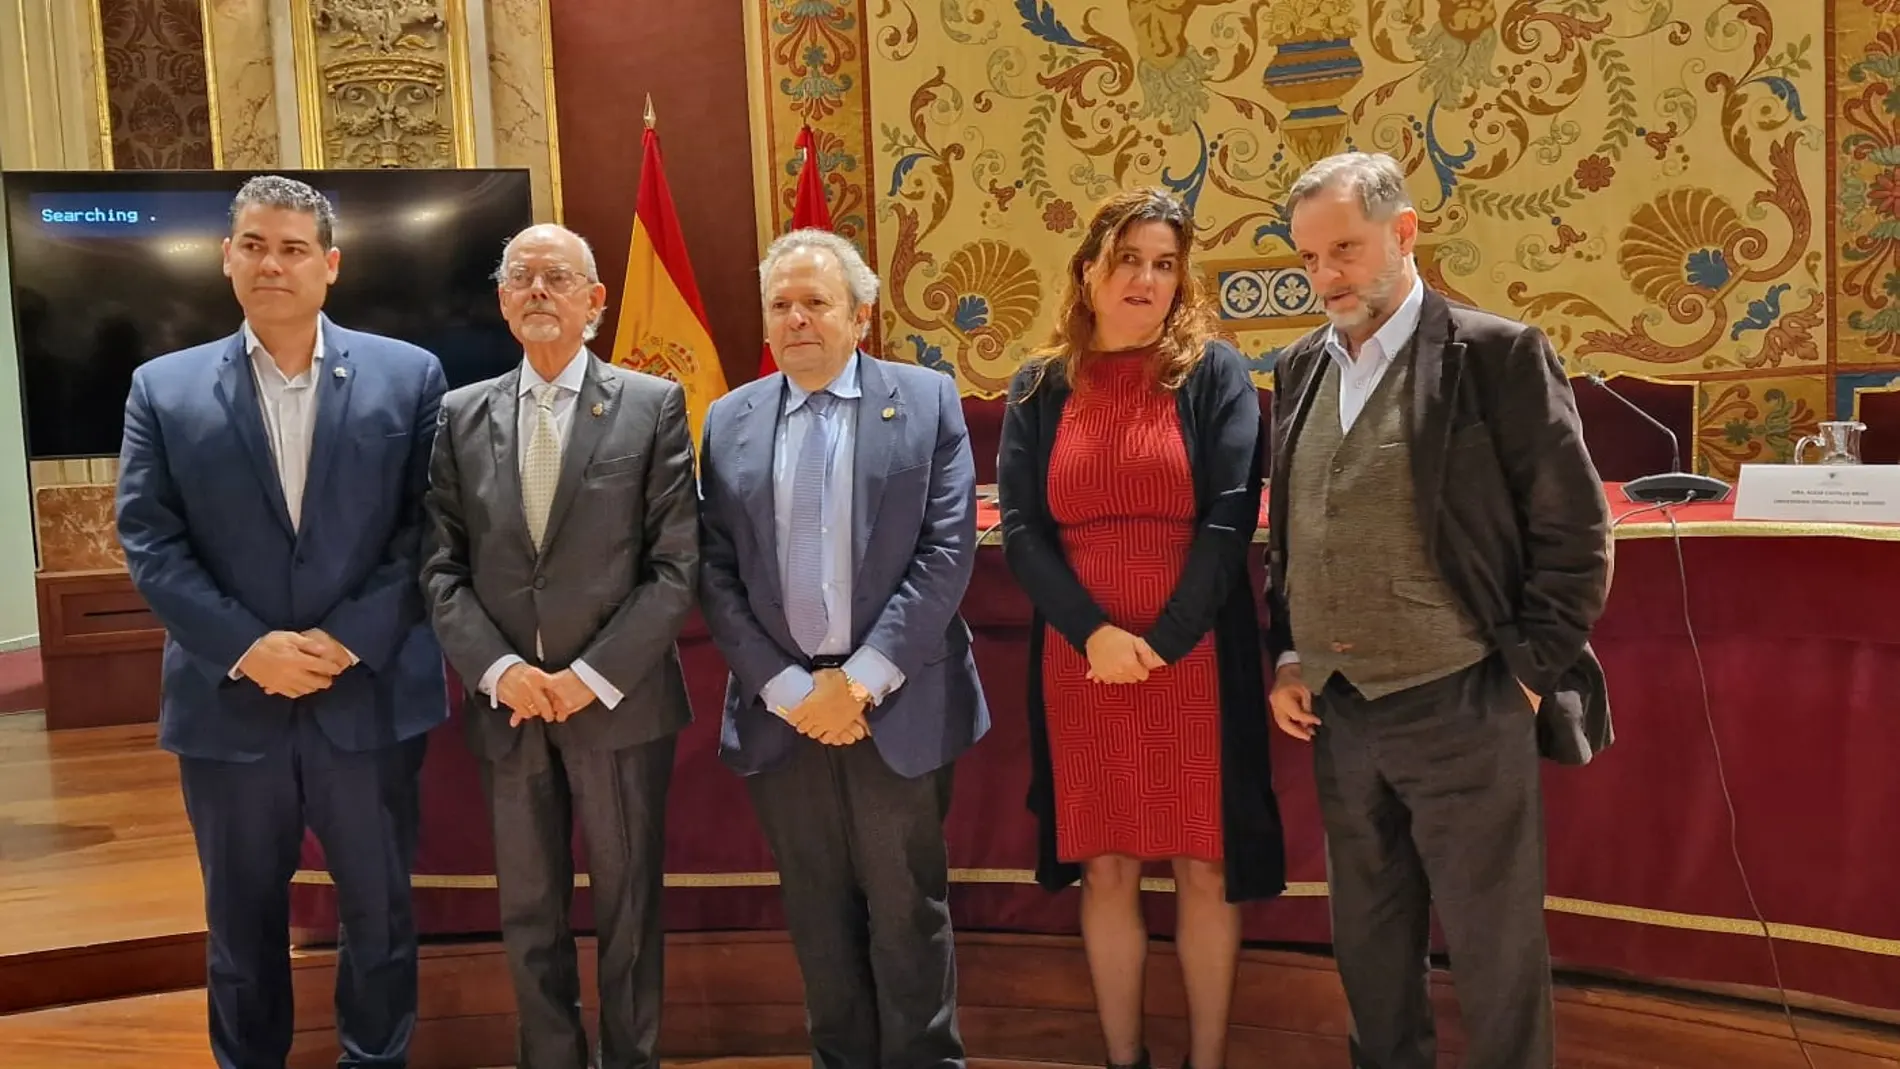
{"type": "Point", "coordinates": [154, 53]}
{"type": "Point", "coordinates": [1652, 182]}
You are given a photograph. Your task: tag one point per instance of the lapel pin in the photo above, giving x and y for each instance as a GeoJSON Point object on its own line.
{"type": "Point", "coordinates": [890, 413]}
{"type": "Point", "coordinates": [598, 408]}
{"type": "Point", "coordinates": [341, 372]}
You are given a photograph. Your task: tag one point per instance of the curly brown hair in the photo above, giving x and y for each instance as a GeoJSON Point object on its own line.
{"type": "Point", "coordinates": [1189, 324]}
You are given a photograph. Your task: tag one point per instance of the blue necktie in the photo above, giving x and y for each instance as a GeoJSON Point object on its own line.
{"type": "Point", "coordinates": [804, 566]}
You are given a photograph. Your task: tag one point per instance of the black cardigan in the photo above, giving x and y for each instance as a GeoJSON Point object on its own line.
{"type": "Point", "coordinates": [1221, 425]}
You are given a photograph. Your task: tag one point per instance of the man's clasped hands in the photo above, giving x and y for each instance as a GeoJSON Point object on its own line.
{"type": "Point", "coordinates": [295, 663]}
{"type": "Point", "coordinates": [533, 694]}
{"type": "Point", "coordinates": [830, 714]}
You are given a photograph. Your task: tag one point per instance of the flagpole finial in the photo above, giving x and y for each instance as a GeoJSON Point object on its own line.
{"type": "Point", "coordinates": [650, 118]}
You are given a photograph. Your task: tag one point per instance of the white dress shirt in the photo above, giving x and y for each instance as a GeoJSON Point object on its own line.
{"type": "Point", "coordinates": [567, 394]}
{"type": "Point", "coordinates": [289, 410]}
{"type": "Point", "coordinates": [1359, 377]}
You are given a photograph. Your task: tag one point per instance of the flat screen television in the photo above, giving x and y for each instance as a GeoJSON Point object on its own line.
{"type": "Point", "coordinates": [109, 269]}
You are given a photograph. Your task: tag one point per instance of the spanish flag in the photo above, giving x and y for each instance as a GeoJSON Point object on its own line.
{"type": "Point", "coordinates": [662, 327]}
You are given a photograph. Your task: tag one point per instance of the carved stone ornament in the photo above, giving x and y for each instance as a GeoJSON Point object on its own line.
{"type": "Point", "coordinates": [385, 70]}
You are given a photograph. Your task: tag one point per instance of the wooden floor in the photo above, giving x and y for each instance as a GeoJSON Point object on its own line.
{"type": "Point", "coordinates": [1024, 998]}
{"type": "Point", "coordinates": [167, 1032]}
{"type": "Point", "coordinates": [102, 964]}
{"type": "Point", "coordinates": [94, 847]}
{"type": "Point", "coordinates": [99, 889]}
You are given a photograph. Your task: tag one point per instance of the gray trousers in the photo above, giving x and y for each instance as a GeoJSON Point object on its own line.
{"type": "Point", "coordinates": [534, 795]}
{"type": "Point", "coordinates": [1431, 796]}
{"type": "Point", "coordinates": [865, 879]}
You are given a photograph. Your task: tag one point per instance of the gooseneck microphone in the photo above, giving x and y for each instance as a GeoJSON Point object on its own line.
{"type": "Point", "coordinates": [1674, 485]}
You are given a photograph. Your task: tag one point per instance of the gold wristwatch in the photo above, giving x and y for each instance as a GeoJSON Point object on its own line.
{"type": "Point", "coordinates": [857, 690]}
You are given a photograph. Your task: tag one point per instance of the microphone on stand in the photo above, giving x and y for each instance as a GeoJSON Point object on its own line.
{"type": "Point", "coordinates": [1675, 484]}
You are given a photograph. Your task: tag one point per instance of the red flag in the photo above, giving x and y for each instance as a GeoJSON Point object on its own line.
{"type": "Point", "coordinates": [808, 210]}
{"type": "Point", "coordinates": [808, 205]}
{"type": "Point", "coordinates": [663, 327]}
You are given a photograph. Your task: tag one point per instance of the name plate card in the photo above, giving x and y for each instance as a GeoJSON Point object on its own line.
{"type": "Point", "coordinates": [1819, 493]}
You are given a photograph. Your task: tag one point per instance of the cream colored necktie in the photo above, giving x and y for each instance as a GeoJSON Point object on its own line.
{"type": "Point", "coordinates": [542, 467]}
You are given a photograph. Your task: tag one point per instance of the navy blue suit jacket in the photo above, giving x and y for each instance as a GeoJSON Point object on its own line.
{"type": "Point", "coordinates": [210, 546]}
{"type": "Point", "coordinates": [914, 548]}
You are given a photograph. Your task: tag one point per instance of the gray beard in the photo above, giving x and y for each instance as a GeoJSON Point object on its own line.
{"type": "Point", "coordinates": [540, 332]}
{"type": "Point", "coordinates": [1378, 298]}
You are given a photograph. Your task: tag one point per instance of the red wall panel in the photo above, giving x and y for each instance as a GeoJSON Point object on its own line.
{"type": "Point", "coordinates": [608, 55]}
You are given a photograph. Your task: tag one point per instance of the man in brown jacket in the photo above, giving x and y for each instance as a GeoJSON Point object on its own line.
{"type": "Point", "coordinates": [1439, 553]}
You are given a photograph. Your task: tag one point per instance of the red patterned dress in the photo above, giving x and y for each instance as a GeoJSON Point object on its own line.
{"type": "Point", "coordinates": [1136, 766]}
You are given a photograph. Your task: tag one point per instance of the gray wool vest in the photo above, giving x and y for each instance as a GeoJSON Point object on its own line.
{"type": "Point", "coordinates": [1365, 599]}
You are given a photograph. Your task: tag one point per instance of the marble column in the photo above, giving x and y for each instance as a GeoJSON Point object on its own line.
{"type": "Point", "coordinates": [240, 70]}
{"type": "Point", "coordinates": [521, 94]}
{"type": "Point", "coordinates": [52, 90]}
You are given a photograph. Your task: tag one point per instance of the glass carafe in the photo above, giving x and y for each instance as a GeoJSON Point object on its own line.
{"type": "Point", "coordinates": [1838, 440]}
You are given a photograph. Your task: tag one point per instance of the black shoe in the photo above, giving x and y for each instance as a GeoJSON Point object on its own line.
{"type": "Point", "coordinates": [1139, 1063]}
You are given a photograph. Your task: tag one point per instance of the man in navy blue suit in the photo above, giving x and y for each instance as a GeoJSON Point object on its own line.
{"type": "Point", "coordinates": [270, 506]}
{"type": "Point", "coordinates": [837, 537]}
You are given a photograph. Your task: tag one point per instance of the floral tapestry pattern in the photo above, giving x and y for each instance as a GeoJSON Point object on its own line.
{"type": "Point", "coordinates": [154, 52]}
{"type": "Point", "coordinates": [1652, 182]}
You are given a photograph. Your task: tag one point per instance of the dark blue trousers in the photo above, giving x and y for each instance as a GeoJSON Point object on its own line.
{"type": "Point", "coordinates": [248, 819]}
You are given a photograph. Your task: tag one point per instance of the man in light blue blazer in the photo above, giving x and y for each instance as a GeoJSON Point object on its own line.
{"type": "Point", "coordinates": [837, 537]}
{"type": "Point", "coordinates": [270, 505]}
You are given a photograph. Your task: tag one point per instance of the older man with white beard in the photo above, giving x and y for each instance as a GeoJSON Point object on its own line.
{"type": "Point", "coordinates": [565, 557]}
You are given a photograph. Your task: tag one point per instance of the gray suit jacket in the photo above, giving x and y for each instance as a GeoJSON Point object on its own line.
{"type": "Point", "coordinates": [914, 548]}
{"type": "Point", "coordinates": [615, 576]}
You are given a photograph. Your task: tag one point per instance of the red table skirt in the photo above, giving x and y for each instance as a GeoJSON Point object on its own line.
{"type": "Point", "coordinates": [1800, 648]}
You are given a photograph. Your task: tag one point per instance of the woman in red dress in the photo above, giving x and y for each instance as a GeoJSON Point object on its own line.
{"type": "Point", "coordinates": [1129, 478]}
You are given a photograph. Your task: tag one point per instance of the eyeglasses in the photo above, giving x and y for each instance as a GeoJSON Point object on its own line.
{"type": "Point", "coordinates": [553, 279]}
